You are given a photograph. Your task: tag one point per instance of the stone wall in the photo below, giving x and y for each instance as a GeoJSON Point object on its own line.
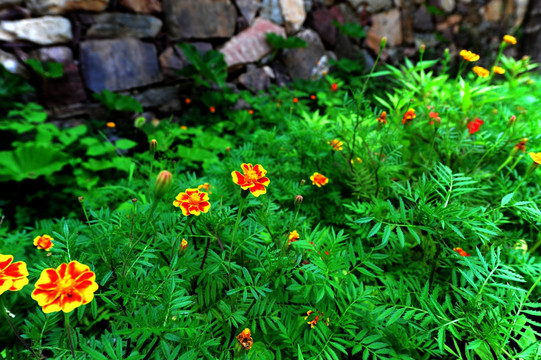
{"type": "Point", "coordinates": [129, 46]}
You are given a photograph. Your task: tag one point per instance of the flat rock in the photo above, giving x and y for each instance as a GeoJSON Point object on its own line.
{"type": "Point", "coordinates": [117, 25]}
{"type": "Point", "coordinates": [251, 44]}
{"type": "Point", "coordinates": [45, 30]}
{"type": "Point", "coordinates": [385, 24]}
{"type": "Point", "coordinates": [521, 6]}
{"type": "Point", "coordinates": [199, 19]}
{"type": "Point", "coordinates": [493, 11]}
{"type": "Point", "coordinates": [142, 6]}
{"type": "Point", "coordinates": [118, 64]}
{"type": "Point", "coordinates": [373, 6]}
{"type": "Point", "coordinates": [294, 14]}
{"type": "Point", "coordinates": [248, 8]}
{"type": "Point", "coordinates": [301, 62]}
{"type": "Point", "coordinates": [55, 7]}
{"type": "Point", "coordinates": [447, 5]}
{"type": "Point", "coordinates": [61, 54]}
{"type": "Point", "coordinates": [172, 59]}
{"type": "Point", "coordinates": [255, 79]}
{"type": "Point", "coordinates": [271, 11]}
{"type": "Point", "coordinates": [423, 20]}
{"type": "Point", "coordinates": [166, 99]}
{"type": "Point", "coordinates": [12, 64]}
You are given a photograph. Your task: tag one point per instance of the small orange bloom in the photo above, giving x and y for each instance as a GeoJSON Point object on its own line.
{"type": "Point", "coordinates": [481, 71]}
{"type": "Point", "coordinates": [183, 127]}
{"type": "Point", "coordinates": [498, 70]}
{"type": "Point", "coordinates": [382, 118]}
{"type": "Point", "coordinates": [253, 179]}
{"type": "Point", "coordinates": [212, 109]}
{"type": "Point", "coordinates": [521, 145]}
{"type": "Point", "coordinates": [205, 186]}
{"type": "Point", "coordinates": [293, 236]}
{"type": "Point", "coordinates": [469, 56]}
{"type": "Point", "coordinates": [245, 339]}
{"type": "Point", "coordinates": [65, 288]}
{"type": "Point", "coordinates": [192, 202]}
{"type": "Point", "coordinates": [313, 97]}
{"type": "Point", "coordinates": [473, 126]}
{"type": "Point", "coordinates": [13, 275]}
{"type": "Point", "coordinates": [461, 252]}
{"type": "Point", "coordinates": [409, 116]}
{"type": "Point", "coordinates": [111, 124]}
{"type": "Point", "coordinates": [183, 245]}
{"type": "Point", "coordinates": [336, 145]}
{"type": "Point", "coordinates": [188, 100]}
{"type": "Point", "coordinates": [318, 179]}
{"type": "Point", "coordinates": [510, 39]}
{"type": "Point", "coordinates": [536, 157]}
{"type": "Point", "coordinates": [334, 87]}
{"type": "Point", "coordinates": [43, 242]}
{"type": "Point", "coordinates": [434, 116]}
{"type": "Point", "coordinates": [251, 112]}
{"type": "Point", "coordinates": [295, 100]}
{"type": "Point", "coordinates": [314, 321]}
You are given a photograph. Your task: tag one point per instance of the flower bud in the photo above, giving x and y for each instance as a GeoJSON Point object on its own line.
{"type": "Point", "coordinates": [153, 146]}
{"type": "Point", "coordinates": [511, 121]}
{"type": "Point", "coordinates": [134, 200]}
{"type": "Point", "coordinates": [183, 245]}
{"type": "Point", "coordinates": [422, 49]}
{"type": "Point", "coordinates": [298, 199]}
{"type": "Point", "coordinates": [81, 199]}
{"type": "Point", "coordinates": [163, 183]}
{"type": "Point", "coordinates": [383, 42]}
{"type": "Point", "coordinates": [303, 182]}
{"type": "Point", "coordinates": [140, 121]}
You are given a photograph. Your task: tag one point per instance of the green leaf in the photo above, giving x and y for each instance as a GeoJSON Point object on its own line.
{"type": "Point", "coordinates": [278, 42]}
{"type": "Point", "coordinates": [30, 161]}
{"type": "Point", "coordinates": [507, 198]}
{"type": "Point", "coordinates": [350, 29]}
{"type": "Point", "coordinates": [125, 144]}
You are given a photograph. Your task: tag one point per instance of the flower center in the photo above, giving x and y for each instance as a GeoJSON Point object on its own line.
{"type": "Point", "coordinates": [66, 285]}
{"type": "Point", "coordinates": [194, 199]}
{"type": "Point", "coordinates": [251, 176]}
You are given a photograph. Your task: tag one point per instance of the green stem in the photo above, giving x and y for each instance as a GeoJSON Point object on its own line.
{"type": "Point", "coordinates": [68, 329]}
{"type": "Point", "coordinates": [4, 311]}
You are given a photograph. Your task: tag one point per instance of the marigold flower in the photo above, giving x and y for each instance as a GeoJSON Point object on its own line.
{"type": "Point", "coordinates": [314, 321]}
{"type": "Point", "coordinates": [435, 117]}
{"type": "Point", "coordinates": [188, 100]}
{"type": "Point", "coordinates": [212, 109]}
{"type": "Point", "coordinates": [192, 202]}
{"type": "Point", "coordinates": [251, 112]}
{"type": "Point", "coordinates": [153, 146]}
{"type": "Point", "coordinates": [536, 157]}
{"type": "Point", "coordinates": [295, 100]}
{"type": "Point", "coordinates": [13, 275]}
{"type": "Point", "coordinates": [245, 339]}
{"type": "Point", "coordinates": [510, 39]}
{"type": "Point", "coordinates": [111, 124]}
{"type": "Point", "coordinates": [293, 236]}
{"type": "Point", "coordinates": [65, 288]}
{"type": "Point", "coordinates": [334, 87]}
{"type": "Point", "coordinates": [521, 145]}
{"type": "Point", "coordinates": [313, 97]}
{"type": "Point", "coordinates": [473, 126]}
{"type": "Point", "coordinates": [298, 199]}
{"type": "Point", "coordinates": [461, 252]}
{"type": "Point", "coordinates": [498, 70]}
{"type": "Point", "coordinates": [183, 127]}
{"type": "Point", "coordinates": [481, 71]}
{"type": "Point", "coordinates": [409, 116]}
{"type": "Point", "coordinates": [382, 118]}
{"type": "Point", "coordinates": [43, 242]}
{"type": "Point", "coordinates": [318, 179]}
{"type": "Point", "coordinates": [357, 159]}
{"type": "Point", "coordinates": [206, 187]}
{"type": "Point", "coordinates": [253, 179]}
{"type": "Point", "coordinates": [183, 245]}
{"type": "Point", "coordinates": [336, 144]}
{"type": "Point", "coordinates": [469, 56]}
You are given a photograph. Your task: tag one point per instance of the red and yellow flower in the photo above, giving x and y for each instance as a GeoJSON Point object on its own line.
{"type": "Point", "coordinates": [295, 100]}
{"type": "Point", "coordinates": [183, 245]}
{"type": "Point", "coordinates": [521, 145]}
{"type": "Point", "coordinates": [318, 179]}
{"type": "Point", "coordinates": [510, 39]}
{"type": "Point", "coordinates": [245, 339]}
{"type": "Point", "coordinates": [293, 236]}
{"type": "Point", "coordinates": [65, 288]}
{"type": "Point", "coordinates": [469, 56]}
{"type": "Point", "coordinates": [461, 252]}
{"type": "Point", "coordinates": [315, 320]}
{"type": "Point", "coordinates": [409, 116]}
{"type": "Point", "coordinates": [481, 71]}
{"type": "Point", "coordinates": [382, 118]}
{"type": "Point", "coordinates": [473, 126]}
{"type": "Point", "coordinates": [43, 242]}
{"type": "Point", "coordinates": [206, 187]}
{"type": "Point", "coordinates": [253, 179]}
{"type": "Point", "coordinates": [13, 275]}
{"type": "Point", "coordinates": [336, 144]}
{"type": "Point", "coordinates": [192, 202]}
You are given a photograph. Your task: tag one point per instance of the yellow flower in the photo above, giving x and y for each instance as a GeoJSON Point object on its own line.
{"type": "Point", "coordinates": [480, 71]}
{"type": "Point", "coordinates": [319, 179]}
{"type": "Point", "coordinates": [510, 39]}
{"type": "Point", "coordinates": [469, 56]}
{"type": "Point", "coordinates": [293, 236]}
{"type": "Point", "coordinates": [43, 242]}
{"type": "Point", "coordinates": [336, 145]}
{"type": "Point", "coordinates": [536, 157]}
{"type": "Point", "coordinates": [183, 245]}
{"type": "Point", "coordinates": [13, 275]}
{"type": "Point", "coordinates": [111, 124]}
{"type": "Point", "coordinates": [498, 70]}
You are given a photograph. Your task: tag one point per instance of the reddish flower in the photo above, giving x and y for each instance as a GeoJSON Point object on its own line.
{"type": "Point", "coordinates": [206, 187]}
{"type": "Point", "coordinates": [334, 87]}
{"type": "Point", "coordinates": [293, 236]}
{"type": "Point", "coordinates": [313, 97]}
{"type": "Point", "coordinates": [521, 145]}
{"type": "Point", "coordinates": [183, 245]}
{"type": "Point", "coordinates": [192, 202]}
{"type": "Point", "coordinates": [336, 144]}
{"type": "Point", "coordinates": [188, 100]}
{"type": "Point", "coordinates": [314, 321]}
{"type": "Point", "coordinates": [461, 252]}
{"type": "Point", "coordinates": [409, 116]}
{"type": "Point", "coordinates": [382, 118]}
{"type": "Point", "coordinates": [212, 109]}
{"type": "Point", "coordinates": [251, 112]}
{"type": "Point", "coordinates": [245, 339]}
{"type": "Point", "coordinates": [473, 126]}
{"type": "Point", "coordinates": [318, 179]}
{"type": "Point", "coordinates": [435, 117]}
{"type": "Point", "coordinates": [295, 100]}
{"type": "Point", "coordinates": [13, 275]}
{"type": "Point", "coordinates": [65, 288]}
{"type": "Point", "coordinates": [253, 179]}
{"type": "Point", "coordinates": [43, 242]}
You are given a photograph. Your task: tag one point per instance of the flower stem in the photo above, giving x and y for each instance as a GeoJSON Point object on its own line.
{"type": "Point", "coordinates": [68, 329]}
{"type": "Point", "coordinates": [4, 310]}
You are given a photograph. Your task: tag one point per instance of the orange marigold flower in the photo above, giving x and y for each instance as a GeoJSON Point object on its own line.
{"type": "Point", "coordinates": [357, 159]}
{"type": "Point", "coordinates": [212, 109]}
{"type": "Point", "coordinates": [382, 118]}
{"type": "Point", "coordinates": [192, 202]}
{"type": "Point", "coordinates": [313, 97]}
{"type": "Point", "coordinates": [510, 39]}
{"type": "Point", "coordinates": [461, 252]}
{"type": "Point", "coordinates": [469, 56]}
{"type": "Point", "coordinates": [183, 127]}
{"type": "Point", "coordinates": [13, 275]}
{"type": "Point", "coordinates": [536, 157]}
{"type": "Point", "coordinates": [409, 116]}
{"type": "Point", "coordinates": [188, 100]}
{"type": "Point", "coordinates": [110, 124]}
{"type": "Point", "coordinates": [318, 179]}
{"type": "Point", "coordinates": [521, 145]}
{"type": "Point", "coordinates": [473, 126]}
{"type": "Point", "coordinates": [251, 112]}
{"type": "Point", "coordinates": [253, 179]}
{"type": "Point", "coordinates": [498, 70]}
{"type": "Point", "coordinates": [183, 245]}
{"type": "Point", "coordinates": [205, 186]}
{"type": "Point", "coordinates": [435, 117]}
{"type": "Point", "coordinates": [334, 87]}
{"type": "Point", "coordinates": [481, 71]}
{"type": "Point", "coordinates": [245, 339]}
{"type": "Point", "coordinates": [43, 242]}
{"type": "Point", "coordinates": [293, 236]}
{"type": "Point", "coordinates": [336, 144]}
{"type": "Point", "coordinates": [65, 288]}
{"type": "Point", "coordinates": [295, 100]}
{"type": "Point", "coordinates": [314, 321]}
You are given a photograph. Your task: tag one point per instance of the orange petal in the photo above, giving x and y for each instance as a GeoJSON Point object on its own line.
{"type": "Point", "coordinates": [16, 270]}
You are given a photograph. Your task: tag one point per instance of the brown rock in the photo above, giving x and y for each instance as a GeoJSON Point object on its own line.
{"type": "Point", "coordinates": [255, 79]}
{"type": "Point", "coordinates": [142, 6]}
{"type": "Point", "coordinates": [248, 8]}
{"type": "Point", "coordinates": [384, 24]}
{"type": "Point", "coordinates": [54, 7]}
{"type": "Point", "coordinates": [118, 64]}
{"type": "Point", "coordinates": [301, 62]}
{"type": "Point", "coordinates": [294, 14]}
{"type": "Point", "coordinates": [199, 19]}
{"type": "Point", "coordinates": [251, 44]}
{"type": "Point", "coordinates": [493, 11]}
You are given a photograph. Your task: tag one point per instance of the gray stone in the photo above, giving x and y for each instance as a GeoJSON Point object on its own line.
{"type": "Point", "coordinates": [308, 4]}
{"type": "Point", "coordinates": [385, 24]}
{"type": "Point", "coordinates": [12, 64]}
{"type": "Point", "coordinates": [521, 6]}
{"type": "Point", "coordinates": [293, 14]}
{"type": "Point", "coordinates": [423, 20]}
{"type": "Point", "coordinates": [271, 11]}
{"type": "Point", "coordinates": [301, 62]}
{"type": "Point", "coordinates": [9, 2]}
{"type": "Point", "coordinates": [45, 30]}
{"type": "Point", "coordinates": [199, 19]}
{"type": "Point", "coordinates": [323, 65]}
{"type": "Point", "coordinates": [142, 6]}
{"type": "Point", "coordinates": [118, 64]}
{"type": "Point", "coordinates": [56, 7]}
{"type": "Point", "coordinates": [255, 79]}
{"type": "Point", "coordinates": [61, 54]}
{"type": "Point", "coordinates": [172, 59]}
{"type": "Point", "coordinates": [447, 5]}
{"type": "Point", "coordinates": [248, 8]}
{"type": "Point", "coordinates": [166, 99]}
{"type": "Point", "coordinates": [117, 25]}
{"type": "Point", "coordinates": [373, 6]}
